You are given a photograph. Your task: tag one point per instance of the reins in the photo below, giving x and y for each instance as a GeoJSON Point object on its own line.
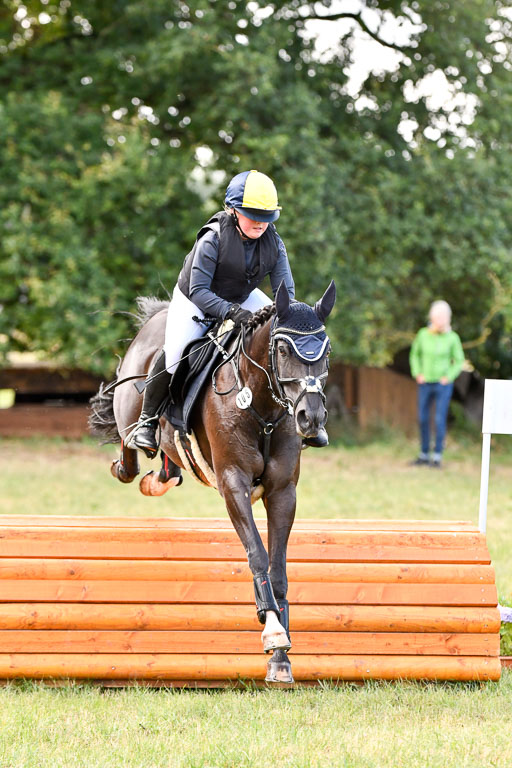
{"type": "Point", "coordinates": [140, 389]}
{"type": "Point", "coordinates": [244, 396]}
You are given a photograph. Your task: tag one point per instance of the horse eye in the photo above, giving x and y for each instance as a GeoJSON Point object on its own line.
{"type": "Point", "coordinates": [282, 350]}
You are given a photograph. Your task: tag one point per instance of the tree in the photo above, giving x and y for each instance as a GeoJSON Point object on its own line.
{"type": "Point", "coordinates": [122, 121]}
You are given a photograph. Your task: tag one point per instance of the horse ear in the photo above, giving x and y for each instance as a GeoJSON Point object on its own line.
{"type": "Point", "coordinates": [282, 300]}
{"type": "Point", "coordinates": [323, 308]}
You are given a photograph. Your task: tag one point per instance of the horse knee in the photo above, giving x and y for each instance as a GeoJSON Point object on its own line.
{"type": "Point", "coordinates": [279, 585]}
{"type": "Point", "coordinates": [258, 560]}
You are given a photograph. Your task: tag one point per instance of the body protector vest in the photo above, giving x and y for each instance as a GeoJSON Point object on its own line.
{"type": "Point", "coordinates": [232, 281]}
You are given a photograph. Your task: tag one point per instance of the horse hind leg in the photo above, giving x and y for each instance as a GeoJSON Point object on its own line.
{"type": "Point", "coordinates": [158, 483]}
{"type": "Point", "coordinates": [126, 467]}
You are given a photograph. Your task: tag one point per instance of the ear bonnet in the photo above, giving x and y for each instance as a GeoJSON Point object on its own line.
{"type": "Point", "coordinates": [303, 331]}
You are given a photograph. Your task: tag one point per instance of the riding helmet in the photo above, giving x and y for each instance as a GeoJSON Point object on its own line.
{"type": "Point", "coordinates": [253, 194]}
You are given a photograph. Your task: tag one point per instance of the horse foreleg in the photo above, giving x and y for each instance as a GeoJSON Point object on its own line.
{"type": "Point", "coordinates": [126, 467]}
{"type": "Point", "coordinates": [236, 489]}
{"type": "Point", "coordinates": [158, 483]}
{"type": "Point", "coordinates": [279, 668]}
{"type": "Point", "coordinates": [280, 505]}
{"type": "Point", "coordinates": [274, 637]}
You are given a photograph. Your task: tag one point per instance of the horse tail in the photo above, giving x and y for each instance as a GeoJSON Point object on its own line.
{"type": "Point", "coordinates": [102, 422]}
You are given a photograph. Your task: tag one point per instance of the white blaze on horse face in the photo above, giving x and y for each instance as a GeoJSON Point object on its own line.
{"type": "Point", "coordinates": [273, 636]}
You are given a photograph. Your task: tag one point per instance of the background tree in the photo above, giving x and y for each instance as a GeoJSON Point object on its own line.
{"type": "Point", "coordinates": [120, 123]}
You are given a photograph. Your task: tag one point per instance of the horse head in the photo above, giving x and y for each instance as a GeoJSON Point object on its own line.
{"type": "Point", "coordinates": [299, 351]}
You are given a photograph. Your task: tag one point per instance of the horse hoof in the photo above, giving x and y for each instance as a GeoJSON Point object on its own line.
{"type": "Point", "coordinates": [118, 471]}
{"type": "Point", "coordinates": [150, 484]}
{"type": "Point", "coordinates": [278, 642]}
{"type": "Point", "coordinates": [279, 672]}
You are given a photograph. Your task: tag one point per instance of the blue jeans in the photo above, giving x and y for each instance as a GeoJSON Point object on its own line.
{"type": "Point", "coordinates": [429, 393]}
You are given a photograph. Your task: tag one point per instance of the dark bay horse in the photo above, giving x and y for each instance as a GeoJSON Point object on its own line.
{"type": "Point", "coordinates": [247, 451]}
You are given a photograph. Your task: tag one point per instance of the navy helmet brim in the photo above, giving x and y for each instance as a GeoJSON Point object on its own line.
{"type": "Point", "coordinates": [255, 214]}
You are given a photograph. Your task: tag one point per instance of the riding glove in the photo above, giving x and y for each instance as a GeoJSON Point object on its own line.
{"type": "Point", "coordinates": [238, 315]}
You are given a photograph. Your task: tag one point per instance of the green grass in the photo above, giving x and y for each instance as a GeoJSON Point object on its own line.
{"type": "Point", "coordinates": [371, 726]}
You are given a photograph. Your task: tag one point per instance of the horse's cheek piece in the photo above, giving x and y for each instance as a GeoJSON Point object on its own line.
{"type": "Point", "coordinates": [265, 600]}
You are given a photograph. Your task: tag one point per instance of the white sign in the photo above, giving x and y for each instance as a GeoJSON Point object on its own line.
{"type": "Point", "coordinates": [497, 419]}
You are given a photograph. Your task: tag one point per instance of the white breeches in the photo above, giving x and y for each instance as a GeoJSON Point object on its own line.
{"type": "Point", "coordinates": [180, 328]}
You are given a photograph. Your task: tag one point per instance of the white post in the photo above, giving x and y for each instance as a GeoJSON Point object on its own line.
{"type": "Point", "coordinates": [484, 481]}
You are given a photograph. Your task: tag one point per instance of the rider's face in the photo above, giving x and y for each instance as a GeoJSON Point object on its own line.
{"type": "Point", "coordinates": [252, 229]}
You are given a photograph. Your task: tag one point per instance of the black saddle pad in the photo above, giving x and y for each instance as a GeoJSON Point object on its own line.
{"type": "Point", "coordinates": [191, 375]}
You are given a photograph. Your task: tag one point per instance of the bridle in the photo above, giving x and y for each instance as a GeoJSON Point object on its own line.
{"type": "Point", "coordinates": [275, 382]}
{"type": "Point", "coordinates": [309, 383]}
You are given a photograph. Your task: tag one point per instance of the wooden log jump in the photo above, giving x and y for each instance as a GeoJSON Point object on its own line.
{"type": "Point", "coordinates": [171, 600]}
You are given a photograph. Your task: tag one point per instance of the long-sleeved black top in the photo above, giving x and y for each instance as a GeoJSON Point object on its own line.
{"type": "Point", "coordinates": [205, 263]}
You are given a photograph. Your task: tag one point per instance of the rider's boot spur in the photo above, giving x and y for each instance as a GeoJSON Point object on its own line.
{"type": "Point", "coordinates": [154, 394]}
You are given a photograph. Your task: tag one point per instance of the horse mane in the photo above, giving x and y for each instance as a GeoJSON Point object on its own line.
{"type": "Point", "coordinates": [260, 317]}
{"type": "Point", "coordinates": [147, 306]}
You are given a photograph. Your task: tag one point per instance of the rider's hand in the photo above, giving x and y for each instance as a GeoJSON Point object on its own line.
{"type": "Point", "coordinates": [238, 315]}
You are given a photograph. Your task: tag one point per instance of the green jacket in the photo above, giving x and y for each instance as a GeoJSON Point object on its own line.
{"type": "Point", "coordinates": [436, 355]}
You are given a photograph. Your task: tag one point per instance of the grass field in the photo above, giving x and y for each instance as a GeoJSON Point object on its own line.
{"type": "Point", "coordinates": [374, 725]}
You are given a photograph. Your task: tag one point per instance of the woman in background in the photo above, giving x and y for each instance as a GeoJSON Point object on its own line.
{"type": "Point", "coordinates": [436, 360]}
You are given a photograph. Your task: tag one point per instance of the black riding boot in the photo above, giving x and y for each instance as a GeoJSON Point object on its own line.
{"type": "Point", "coordinates": [154, 394]}
{"type": "Point", "coordinates": [320, 441]}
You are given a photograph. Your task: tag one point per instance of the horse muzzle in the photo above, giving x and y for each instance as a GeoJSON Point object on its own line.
{"type": "Point", "coordinates": [309, 421]}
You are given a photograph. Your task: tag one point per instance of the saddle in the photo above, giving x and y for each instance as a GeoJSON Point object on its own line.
{"type": "Point", "coordinates": [199, 360]}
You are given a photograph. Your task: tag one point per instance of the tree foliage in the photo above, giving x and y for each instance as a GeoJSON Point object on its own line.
{"type": "Point", "coordinates": [120, 123]}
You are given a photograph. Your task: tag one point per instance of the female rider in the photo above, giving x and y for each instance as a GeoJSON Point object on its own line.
{"type": "Point", "coordinates": [234, 251]}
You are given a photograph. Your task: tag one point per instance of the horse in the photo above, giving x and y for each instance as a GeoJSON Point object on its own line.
{"type": "Point", "coordinates": [248, 429]}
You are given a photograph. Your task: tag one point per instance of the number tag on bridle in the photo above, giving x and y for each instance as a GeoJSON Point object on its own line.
{"type": "Point", "coordinates": [244, 398]}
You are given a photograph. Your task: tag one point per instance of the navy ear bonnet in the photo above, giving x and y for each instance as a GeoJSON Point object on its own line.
{"type": "Point", "coordinates": [303, 331]}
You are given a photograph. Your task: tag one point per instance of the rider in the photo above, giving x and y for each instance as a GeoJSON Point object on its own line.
{"type": "Point", "coordinates": [233, 253]}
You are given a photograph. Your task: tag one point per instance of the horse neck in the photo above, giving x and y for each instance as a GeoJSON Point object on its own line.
{"type": "Point", "coordinates": [256, 347]}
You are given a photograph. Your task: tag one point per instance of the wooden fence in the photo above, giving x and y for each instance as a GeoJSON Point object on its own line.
{"type": "Point", "coordinates": [377, 396]}
{"type": "Point", "coordinates": [172, 600]}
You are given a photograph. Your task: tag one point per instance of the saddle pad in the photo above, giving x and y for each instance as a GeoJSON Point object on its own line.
{"type": "Point", "coordinates": [190, 378]}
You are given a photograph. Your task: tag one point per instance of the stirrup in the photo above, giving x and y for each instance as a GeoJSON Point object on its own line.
{"type": "Point", "coordinates": [143, 437]}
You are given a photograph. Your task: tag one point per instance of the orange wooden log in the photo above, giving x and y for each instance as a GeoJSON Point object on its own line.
{"type": "Point", "coordinates": [250, 666]}
{"type": "Point", "coordinates": [205, 570]}
{"type": "Point", "coordinates": [354, 618]}
{"type": "Point", "coordinates": [350, 539]}
{"type": "Point", "coordinates": [223, 592]}
{"type": "Point", "coordinates": [474, 550]}
{"type": "Point", "coordinates": [189, 523]}
{"type": "Point", "coordinates": [83, 641]}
